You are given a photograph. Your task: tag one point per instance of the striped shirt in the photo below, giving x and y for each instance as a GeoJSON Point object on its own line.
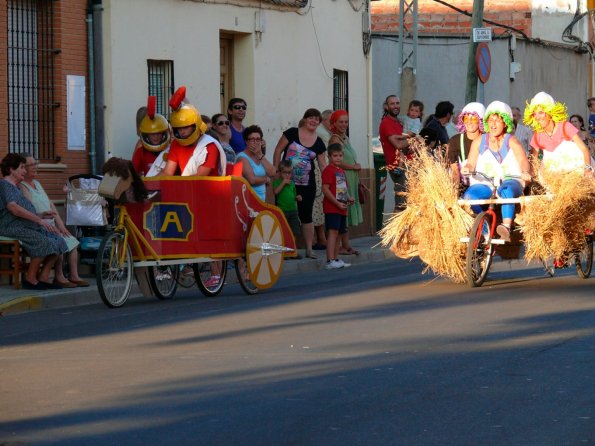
{"type": "Point", "coordinates": [524, 135]}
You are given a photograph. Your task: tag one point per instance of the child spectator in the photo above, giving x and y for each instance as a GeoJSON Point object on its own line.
{"type": "Point", "coordinates": [335, 202]}
{"type": "Point", "coordinates": [591, 105]}
{"type": "Point", "coordinates": [412, 122]}
{"type": "Point", "coordinates": [286, 197]}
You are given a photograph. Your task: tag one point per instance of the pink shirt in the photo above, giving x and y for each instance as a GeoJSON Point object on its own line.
{"type": "Point", "coordinates": [564, 132]}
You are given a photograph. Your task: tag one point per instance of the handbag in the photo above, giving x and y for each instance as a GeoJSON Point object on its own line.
{"type": "Point", "coordinates": [362, 193]}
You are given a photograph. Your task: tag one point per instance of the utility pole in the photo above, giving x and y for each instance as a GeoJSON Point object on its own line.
{"type": "Point", "coordinates": [407, 59]}
{"type": "Point", "coordinates": [476, 22]}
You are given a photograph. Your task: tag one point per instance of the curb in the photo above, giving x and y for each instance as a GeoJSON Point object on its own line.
{"type": "Point", "coordinates": [65, 298]}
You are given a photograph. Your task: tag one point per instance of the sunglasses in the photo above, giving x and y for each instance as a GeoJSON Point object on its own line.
{"type": "Point", "coordinates": [470, 118]}
{"type": "Point", "coordinates": [223, 123]}
{"type": "Point", "coordinates": [239, 107]}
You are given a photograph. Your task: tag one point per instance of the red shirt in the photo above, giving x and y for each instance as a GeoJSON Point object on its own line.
{"type": "Point", "coordinates": [182, 154]}
{"type": "Point", "coordinates": [143, 159]}
{"type": "Point", "coordinates": [335, 178]}
{"type": "Point", "coordinates": [389, 127]}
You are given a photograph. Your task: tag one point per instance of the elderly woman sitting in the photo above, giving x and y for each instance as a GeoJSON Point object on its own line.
{"type": "Point", "coordinates": [34, 192]}
{"type": "Point", "coordinates": [19, 220]}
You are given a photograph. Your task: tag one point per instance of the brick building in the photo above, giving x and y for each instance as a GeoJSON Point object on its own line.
{"type": "Point", "coordinates": [435, 18]}
{"type": "Point", "coordinates": [43, 48]}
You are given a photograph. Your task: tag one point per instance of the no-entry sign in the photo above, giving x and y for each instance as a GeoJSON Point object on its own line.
{"type": "Point", "coordinates": [483, 62]}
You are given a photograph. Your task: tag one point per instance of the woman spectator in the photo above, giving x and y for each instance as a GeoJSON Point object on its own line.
{"type": "Point", "coordinates": [339, 127]}
{"type": "Point", "coordinates": [19, 220]}
{"type": "Point", "coordinates": [302, 146]}
{"type": "Point", "coordinates": [34, 192]}
{"type": "Point", "coordinates": [579, 123]}
{"type": "Point", "coordinates": [220, 129]}
{"type": "Point", "coordinates": [255, 167]}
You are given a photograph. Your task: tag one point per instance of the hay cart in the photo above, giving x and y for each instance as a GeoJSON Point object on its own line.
{"type": "Point", "coordinates": [197, 222]}
{"type": "Point", "coordinates": [482, 246]}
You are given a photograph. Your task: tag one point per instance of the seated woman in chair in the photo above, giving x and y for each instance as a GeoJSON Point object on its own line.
{"type": "Point", "coordinates": [34, 192]}
{"type": "Point", "coordinates": [19, 220]}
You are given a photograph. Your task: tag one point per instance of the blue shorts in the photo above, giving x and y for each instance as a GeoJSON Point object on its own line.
{"type": "Point", "coordinates": [337, 222]}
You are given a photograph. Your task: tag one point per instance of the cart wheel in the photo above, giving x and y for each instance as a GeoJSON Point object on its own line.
{"type": "Point", "coordinates": [479, 250]}
{"type": "Point", "coordinates": [113, 270]}
{"type": "Point", "coordinates": [264, 269]}
{"type": "Point", "coordinates": [164, 280]}
{"type": "Point", "coordinates": [584, 258]}
{"type": "Point", "coordinates": [210, 276]}
{"type": "Point", "coordinates": [244, 277]}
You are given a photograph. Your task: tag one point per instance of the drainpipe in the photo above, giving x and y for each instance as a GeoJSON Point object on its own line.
{"type": "Point", "coordinates": [96, 10]}
{"type": "Point", "coordinates": [91, 70]}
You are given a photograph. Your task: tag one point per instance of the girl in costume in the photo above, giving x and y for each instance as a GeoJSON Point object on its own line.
{"type": "Point", "coordinates": [155, 137]}
{"type": "Point", "coordinates": [470, 126]}
{"type": "Point", "coordinates": [554, 137]}
{"type": "Point", "coordinates": [498, 155]}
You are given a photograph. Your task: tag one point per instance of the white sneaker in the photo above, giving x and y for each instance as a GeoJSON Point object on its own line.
{"type": "Point", "coordinates": [334, 264]}
{"type": "Point", "coordinates": [343, 264]}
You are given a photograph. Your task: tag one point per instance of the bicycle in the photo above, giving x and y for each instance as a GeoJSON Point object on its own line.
{"type": "Point", "coordinates": [481, 241]}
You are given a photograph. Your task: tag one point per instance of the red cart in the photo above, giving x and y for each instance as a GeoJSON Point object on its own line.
{"type": "Point", "coordinates": [204, 222]}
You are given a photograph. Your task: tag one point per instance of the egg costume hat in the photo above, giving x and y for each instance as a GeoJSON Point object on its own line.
{"type": "Point", "coordinates": [475, 109]}
{"type": "Point", "coordinates": [543, 102]}
{"type": "Point", "coordinates": [185, 114]}
{"type": "Point", "coordinates": [154, 123]}
{"type": "Point", "coordinates": [501, 109]}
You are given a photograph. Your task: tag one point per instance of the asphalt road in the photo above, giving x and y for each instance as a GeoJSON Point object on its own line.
{"type": "Point", "coordinates": [371, 355]}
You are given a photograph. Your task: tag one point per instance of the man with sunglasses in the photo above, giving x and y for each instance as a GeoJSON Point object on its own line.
{"type": "Point", "coordinates": [236, 112]}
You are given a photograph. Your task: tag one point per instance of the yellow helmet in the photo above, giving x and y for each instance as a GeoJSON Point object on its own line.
{"type": "Point", "coordinates": [187, 115]}
{"type": "Point", "coordinates": [157, 125]}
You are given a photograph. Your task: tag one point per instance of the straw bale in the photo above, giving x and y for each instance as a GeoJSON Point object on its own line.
{"type": "Point", "coordinates": [554, 225]}
{"type": "Point", "coordinates": [432, 223]}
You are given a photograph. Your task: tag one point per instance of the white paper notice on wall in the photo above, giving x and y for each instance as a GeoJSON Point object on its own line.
{"type": "Point", "coordinates": [75, 87]}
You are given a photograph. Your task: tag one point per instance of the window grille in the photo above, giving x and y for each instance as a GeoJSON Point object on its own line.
{"type": "Point", "coordinates": [30, 70]}
{"type": "Point", "coordinates": [340, 90]}
{"type": "Point", "coordinates": [161, 83]}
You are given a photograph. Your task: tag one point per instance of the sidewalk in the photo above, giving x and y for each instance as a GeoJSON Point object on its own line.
{"type": "Point", "coordinates": [19, 301]}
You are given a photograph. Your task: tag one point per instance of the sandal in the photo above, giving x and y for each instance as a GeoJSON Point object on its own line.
{"type": "Point", "coordinates": [311, 255]}
{"type": "Point", "coordinates": [349, 252]}
{"type": "Point", "coordinates": [504, 232]}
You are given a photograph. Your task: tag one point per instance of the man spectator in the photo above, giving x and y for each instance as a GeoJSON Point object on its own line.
{"type": "Point", "coordinates": [394, 143]}
{"type": "Point", "coordinates": [441, 117]}
{"type": "Point", "coordinates": [324, 129]}
{"type": "Point", "coordinates": [522, 132]}
{"type": "Point", "coordinates": [236, 112]}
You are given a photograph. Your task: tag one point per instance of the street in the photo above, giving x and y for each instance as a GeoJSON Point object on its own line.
{"type": "Point", "coordinates": [376, 354]}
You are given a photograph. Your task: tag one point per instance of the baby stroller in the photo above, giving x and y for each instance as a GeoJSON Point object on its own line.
{"type": "Point", "coordinates": [87, 213]}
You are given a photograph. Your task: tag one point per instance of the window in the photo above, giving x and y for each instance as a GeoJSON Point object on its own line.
{"type": "Point", "coordinates": [340, 90]}
{"type": "Point", "coordinates": [161, 83]}
{"type": "Point", "coordinates": [30, 70]}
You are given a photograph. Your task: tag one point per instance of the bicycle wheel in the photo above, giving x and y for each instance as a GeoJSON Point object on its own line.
{"type": "Point", "coordinates": [210, 276]}
{"type": "Point", "coordinates": [113, 270]}
{"type": "Point", "coordinates": [164, 280]}
{"type": "Point", "coordinates": [584, 258]}
{"type": "Point", "coordinates": [244, 277]}
{"type": "Point", "coordinates": [479, 250]}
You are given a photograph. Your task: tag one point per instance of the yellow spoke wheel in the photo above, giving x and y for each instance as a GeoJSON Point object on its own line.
{"type": "Point", "coordinates": [264, 269]}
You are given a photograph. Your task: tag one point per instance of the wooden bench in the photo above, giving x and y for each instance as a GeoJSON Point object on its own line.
{"type": "Point", "coordinates": [10, 249]}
